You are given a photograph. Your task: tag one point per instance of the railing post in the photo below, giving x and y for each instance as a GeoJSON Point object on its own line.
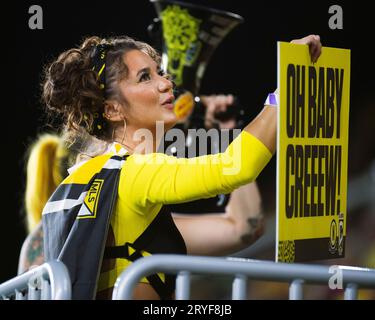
{"type": "Point", "coordinates": [296, 290]}
{"type": "Point", "coordinates": [59, 280]}
{"type": "Point", "coordinates": [239, 287]}
{"type": "Point", "coordinates": [183, 285]}
{"type": "Point", "coordinates": [351, 292]}
{"type": "Point", "coordinates": [46, 290]}
{"type": "Point", "coordinates": [20, 295]}
{"type": "Point", "coordinates": [33, 292]}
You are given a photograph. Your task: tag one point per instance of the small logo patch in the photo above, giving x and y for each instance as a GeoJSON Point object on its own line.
{"type": "Point", "coordinates": [92, 198]}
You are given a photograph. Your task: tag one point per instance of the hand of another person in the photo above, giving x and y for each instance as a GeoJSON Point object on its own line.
{"type": "Point", "coordinates": [315, 46]}
{"type": "Point", "coordinates": [215, 104]}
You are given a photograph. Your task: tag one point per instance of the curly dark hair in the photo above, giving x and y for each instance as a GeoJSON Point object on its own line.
{"type": "Point", "coordinates": [71, 88]}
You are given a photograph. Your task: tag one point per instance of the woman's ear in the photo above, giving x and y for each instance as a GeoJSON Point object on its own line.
{"type": "Point", "coordinates": [113, 111]}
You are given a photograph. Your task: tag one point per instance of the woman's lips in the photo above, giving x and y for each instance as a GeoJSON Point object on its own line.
{"type": "Point", "coordinates": [169, 106]}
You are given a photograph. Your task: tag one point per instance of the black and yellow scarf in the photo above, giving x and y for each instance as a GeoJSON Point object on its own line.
{"type": "Point", "coordinates": [76, 220]}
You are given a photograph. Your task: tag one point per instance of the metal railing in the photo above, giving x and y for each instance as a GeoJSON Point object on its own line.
{"type": "Point", "coordinates": [50, 281]}
{"type": "Point", "coordinates": [241, 269]}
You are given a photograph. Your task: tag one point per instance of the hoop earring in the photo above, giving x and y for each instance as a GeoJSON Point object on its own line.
{"type": "Point", "coordinates": [123, 135]}
{"type": "Point", "coordinates": [113, 135]}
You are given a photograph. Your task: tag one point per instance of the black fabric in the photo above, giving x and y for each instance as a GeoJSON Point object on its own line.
{"type": "Point", "coordinates": [161, 236]}
{"type": "Point", "coordinates": [68, 191]}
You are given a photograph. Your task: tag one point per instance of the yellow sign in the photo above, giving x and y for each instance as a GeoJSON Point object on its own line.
{"type": "Point", "coordinates": [312, 157]}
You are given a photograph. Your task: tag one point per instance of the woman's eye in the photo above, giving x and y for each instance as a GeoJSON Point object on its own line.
{"type": "Point", "coordinates": [145, 77]}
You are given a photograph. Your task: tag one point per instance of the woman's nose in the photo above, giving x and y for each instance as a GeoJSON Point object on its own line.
{"type": "Point", "coordinates": [165, 84]}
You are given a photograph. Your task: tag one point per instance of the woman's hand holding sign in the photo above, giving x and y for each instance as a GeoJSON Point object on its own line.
{"type": "Point", "coordinates": [313, 41]}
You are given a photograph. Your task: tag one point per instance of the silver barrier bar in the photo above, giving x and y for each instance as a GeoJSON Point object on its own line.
{"type": "Point", "coordinates": [296, 290]}
{"type": "Point", "coordinates": [33, 292]}
{"type": "Point", "coordinates": [20, 295]}
{"type": "Point", "coordinates": [239, 287]}
{"type": "Point", "coordinates": [60, 285]}
{"type": "Point", "coordinates": [351, 292]}
{"type": "Point", "coordinates": [183, 285]}
{"type": "Point", "coordinates": [46, 290]}
{"type": "Point", "coordinates": [255, 269]}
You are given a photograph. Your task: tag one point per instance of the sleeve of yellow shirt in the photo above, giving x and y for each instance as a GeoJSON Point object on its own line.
{"type": "Point", "coordinates": [159, 178]}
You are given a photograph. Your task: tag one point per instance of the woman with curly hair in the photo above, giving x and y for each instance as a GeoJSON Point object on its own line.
{"type": "Point", "coordinates": [112, 95]}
